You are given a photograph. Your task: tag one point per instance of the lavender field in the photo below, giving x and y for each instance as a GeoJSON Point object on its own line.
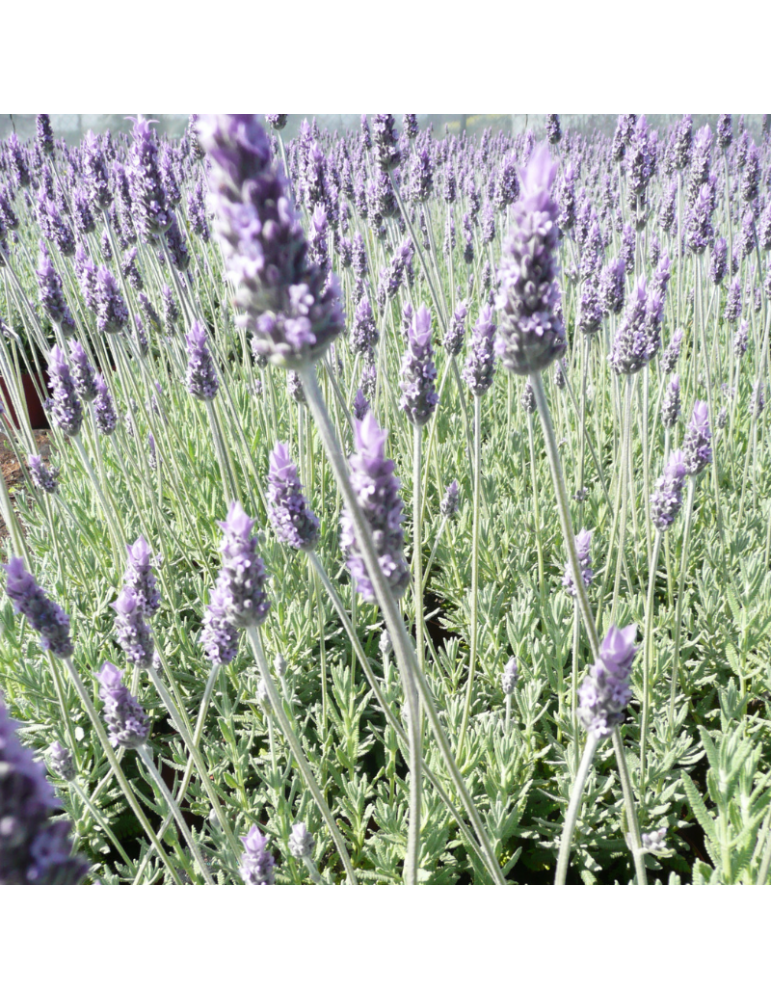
{"type": "Point", "coordinates": [407, 516]}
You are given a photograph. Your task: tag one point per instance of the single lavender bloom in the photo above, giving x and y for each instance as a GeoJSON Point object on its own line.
{"type": "Point", "coordinates": [410, 125]}
{"type": "Point", "coordinates": [42, 476]}
{"type": "Point", "coordinates": [104, 408]}
{"type": "Point", "coordinates": [169, 177]}
{"type": "Point", "coordinates": [509, 676]}
{"type": "Point", "coordinates": [170, 310]}
{"type": "Point", "coordinates": [359, 256]}
{"type": "Point", "coordinates": [751, 175]}
{"type": "Point", "coordinates": [147, 191]}
{"type": "Point", "coordinates": [364, 333]}
{"type": "Point", "coordinates": [527, 400]}
{"type": "Point", "coordinates": [559, 376]}
{"type": "Point", "coordinates": [201, 379]}
{"type": "Point", "coordinates": [480, 363]}
{"type": "Point", "coordinates": [283, 295]}
{"type": "Point", "coordinates": [242, 578]}
{"type": "Point", "coordinates": [176, 245]}
{"type": "Point", "coordinates": [45, 616]}
{"type": "Point", "coordinates": [553, 130]}
{"type": "Point", "coordinates": [653, 842]}
{"type": "Point", "coordinates": [33, 851]}
{"type": "Point", "coordinates": [131, 271]}
{"type": "Point", "coordinates": [66, 408]}
{"type": "Point", "coordinates": [111, 312]}
{"type": "Point", "coordinates": [530, 334]}
{"type": "Point", "coordinates": [606, 692]}
{"type": "Point", "coordinates": [637, 337]}
{"type": "Point", "coordinates": [294, 522]}
{"type": "Point", "coordinates": [95, 173]}
{"type": "Point", "coordinates": [450, 503]}
{"type": "Point", "coordinates": [369, 381]}
{"type": "Point", "coordinates": [733, 304]}
{"type": "Point", "coordinates": [218, 637]}
{"type": "Point", "coordinates": [611, 287]}
{"type": "Point", "coordinates": [453, 339]}
{"type": "Point", "coordinates": [127, 723]}
{"type": "Point", "coordinates": [139, 577]}
{"type": "Point", "coordinates": [697, 453]}
{"type": "Point", "coordinates": [86, 270]}
{"type": "Point", "coordinates": [50, 291]}
{"type": "Point", "coordinates": [667, 497]}
{"type": "Point", "coordinates": [741, 340]}
{"type": "Point", "coordinates": [196, 212]}
{"type": "Point", "coordinates": [61, 763]}
{"type": "Point", "coordinates": [584, 548]}
{"type": "Point", "coordinates": [590, 309]}
{"type": "Point", "coordinates": [377, 491]}
{"type": "Point", "coordinates": [418, 371]}
{"type": "Point", "coordinates": [294, 387]}
{"type": "Point", "coordinates": [82, 372]}
{"type": "Point", "coordinates": [671, 354]}
{"type": "Point", "coordinates": [758, 399]}
{"type": "Point", "coordinates": [277, 122]}
{"type": "Point", "coordinates": [660, 280]}
{"type": "Point", "coordinates": [44, 134]}
{"type": "Point", "coordinates": [384, 136]}
{"type": "Point", "coordinates": [628, 242]}
{"type": "Point", "coordinates": [507, 190]}
{"type": "Point", "coordinates": [133, 633]}
{"type": "Point", "coordinates": [301, 842]}
{"type": "Point", "coordinates": [360, 405]}
{"type": "Point", "coordinates": [698, 224]}
{"type": "Point", "coordinates": [724, 131]}
{"type": "Point", "coordinates": [257, 864]}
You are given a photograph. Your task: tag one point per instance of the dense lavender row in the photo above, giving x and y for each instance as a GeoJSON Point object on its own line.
{"type": "Point", "coordinates": [439, 682]}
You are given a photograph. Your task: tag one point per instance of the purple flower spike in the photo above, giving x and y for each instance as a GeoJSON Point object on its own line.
{"type": "Point", "coordinates": [606, 692]}
{"type": "Point", "coordinates": [377, 491]}
{"type": "Point", "coordinates": [293, 520]}
{"type": "Point", "coordinates": [480, 363]}
{"type": "Point", "coordinates": [147, 192]}
{"type": "Point", "coordinates": [278, 122]}
{"type": "Point", "coordinates": [584, 547]}
{"type": "Point", "coordinates": [45, 616]}
{"type": "Point", "coordinates": [697, 453]}
{"type": "Point", "coordinates": [360, 405]}
{"type": "Point", "coordinates": [509, 676]}
{"type": "Point", "coordinates": [139, 577]}
{"type": "Point", "coordinates": [134, 635]}
{"type": "Point", "coordinates": [418, 371]}
{"type": "Point", "coordinates": [66, 409]}
{"type": "Point", "coordinates": [638, 336]}
{"type": "Point", "coordinates": [256, 863]}
{"type": "Point", "coordinates": [42, 476]}
{"type": "Point", "coordinates": [127, 724]}
{"type": "Point", "coordinates": [242, 579]}
{"type": "Point", "coordinates": [50, 291]}
{"type": "Point", "coordinates": [33, 851]}
{"type": "Point", "coordinates": [218, 637]}
{"type": "Point", "coordinates": [453, 339]}
{"type": "Point", "coordinates": [450, 504]}
{"type": "Point", "coordinates": [61, 762]}
{"type": "Point", "coordinates": [202, 381]}
{"type": "Point", "coordinates": [364, 333]}
{"type": "Point", "coordinates": [82, 372]}
{"type": "Point", "coordinates": [104, 408]}
{"type": "Point", "coordinates": [111, 311]}
{"type": "Point", "coordinates": [301, 842]}
{"type": "Point", "coordinates": [611, 287]}
{"type": "Point", "coordinates": [667, 498]}
{"type": "Point", "coordinates": [670, 356]}
{"type": "Point", "coordinates": [282, 294]}
{"type": "Point", "coordinates": [95, 173]}
{"type": "Point", "coordinates": [531, 335]}
{"type": "Point", "coordinates": [670, 405]}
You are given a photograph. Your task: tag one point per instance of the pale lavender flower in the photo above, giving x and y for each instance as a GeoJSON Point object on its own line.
{"type": "Point", "coordinates": [509, 676]}
{"type": "Point", "coordinates": [42, 476]}
{"type": "Point", "coordinates": [147, 191]}
{"type": "Point", "coordinates": [450, 503]}
{"type": "Point", "coordinates": [257, 864]}
{"type": "Point", "coordinates": [82, 372]}
{"type": "Point", "coordinates": [139, 576]}
{"type": "Point", "coordinates": [242, 578]}
{"type": "Point", "coordinates": [718, 260]}
{"type": "Point", "coordinates": [61, 763]}
{"type": "Point", "coordinates": [66, 408]}
{"type": "Point", "coordinates": [606, 692]}
{"type": "Point", "coordinates": [638, 335]}
{"type": "Point", "coordinates": [201, 378]}
{"type": "Point", "coordinates": [670, 405]}
{"type": "Point", "coordinates": [584, 548]}
{"type": "Point", "coordinates": [95, 173]}
{"type": "Point", "coordinates": [104, 409]}
{"type": "Point", "coordinates": [133, 633]}
{"type": "Point", "coordinates": [530, 334]}
{"type": "Point", "coordinates": [111, 312]}
{"type": "Point", "coordinates": [453, 339]}
{"type": "Point", "coordinates": [294, 522]}
{"type": "Point", "coordinates": [301, 842]}
{"type": "Point", "coordinates": [45, 616]}
{"type": "Point", "coordinates": [219, 637]}
{"type": "Point", "coordinates": [377, 492]}
{"type": "Point", "coordinates": [50, 291]}
{"type": "Point", "coordinates": [480, 363]}
{"type": "Point", "coordinates": [277, 122]}
{"type": "Point", "coordinates": [741, 340]}
{"type": "Point", "coordinates": [611, 287]}
{"type": "Point", "coordinates": [418, 371]}
{"type": "Point", "coordinates": [733, 302]}
{"type": "Point", "coordinates": [667, 497]}
{"type": "Point", "coordinates": [127, 723]}
{"type": "Point", "coordinates": [697, 453]}
{"type": "Point", "coordinates": [364, 332]}
{"type": "Point", "coordinates": [33, 851]}
{"type": "Point", "coordinates": [360, 405]}
{"type": "Point", "coordinates": [527, 399]}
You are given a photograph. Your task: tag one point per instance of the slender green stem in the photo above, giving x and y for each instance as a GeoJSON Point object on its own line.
{"type": "Point", "coordinates": [576, 795]}
{"type": "Point", "coordinates": [648, 655]}
{"type": "Point", "coordinates": [680, 601]}
{"type": "Point", "coordinates": [474, 573]}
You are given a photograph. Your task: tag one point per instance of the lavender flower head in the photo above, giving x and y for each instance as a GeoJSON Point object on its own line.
{"type": "Point", "coordinates": [638, 335]}
{"type": "Point", "coordinates": [242, 578]}
{"type": "Point", "coordinates": [139, 577]}
{"type": "Point", "coordinates": [301, 842]}
{"type": "Point", "coordinates": [667, 497]}
{"type": "Point", "coordinates": [606, 692]}
{"type": "Point", "coordinates": [111, 312]}
{"type": "Point", "coordinates": [201, 379]}
{"type": "Point", "coordinates": [66, 408]}
{"type": "Point", "coordinates": [104, 409]}
{"type": "Point", "coordinates": [450, 503]}
{"type": "Point", "coordinates": [42, 476]}
{"type": "Point", "coordinates": [257, 864]}
{"type": "Point", "coordinates": [718, 260]}
{"type": "Point", "coordinates": [45, 616]}
{"type": "Point", "coordinates": [219, 637]}
{"type": "Point", "coordinates": [293, 520]}
{"type": "Point", "coordinates": [741, 340]}
{"type": "Point", "coordinates": [697, 453]}
{"type": "Point", "coordinates": [33, 851]}
{"type": "Point", "coordinates": [82, 372]}
{"type": "Point", "coordinates": [509, 676]}
{"type": "Point", "coordinates": [670, 405]}
{"type": "Point", "coordinates": [480, 363]}
{"type": "Point", "coordinates": [50, 292]}
{"type": "Point", "coordinates": [453, 339]}
{"type": "Point", "coordinates": [95, 173]}
{"type": "Point", "coordinates": [282, 294]}
{"type": "Point", "coordinates": [584, 549]}
{"type": "Point", "coordinates": [611, 287]}
{"type": "Point", "coordinates": [530, 333]}
{"type": "Point", "coordinates": [61, 763]}
{"type": "Point", "coordinates": [127, 724]}
{"type": "Point", "coordinates": [553, 130]}
{"type": "Point", "coordinates": [418, 371]}
{"type": "Point", "coordinates": [364, 332]}
{"type": "Point", "coordinates": [377, 492]}
{"type": "Point", "coordinates": [147, 191]}
{"type": "Point", "coordinates": [133, 633]}
{"type": "Point", "coordinates": [278, 122]}
{"type": "Point", "coordinates": [671, 353]}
